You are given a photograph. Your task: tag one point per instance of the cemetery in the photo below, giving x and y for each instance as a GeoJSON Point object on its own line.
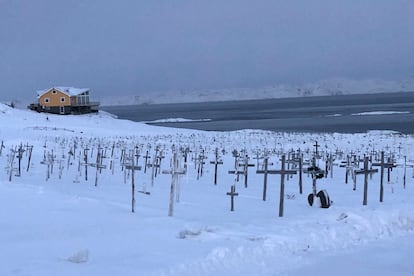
{"type": "Point", "coordinates": [211, 181]}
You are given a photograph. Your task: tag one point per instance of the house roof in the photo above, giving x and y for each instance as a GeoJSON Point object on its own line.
{"type": "Point", "coordinates": [70, 91]}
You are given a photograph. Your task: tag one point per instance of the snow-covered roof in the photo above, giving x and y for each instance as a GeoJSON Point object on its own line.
{"type": "Point", "coordinates": [71, 91]}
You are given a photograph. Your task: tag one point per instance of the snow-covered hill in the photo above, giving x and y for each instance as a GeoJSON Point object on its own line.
{"type": "Point", "coordinates": [322, 88]}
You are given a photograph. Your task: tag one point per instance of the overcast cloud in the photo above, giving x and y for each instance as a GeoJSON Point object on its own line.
{"type": "Point", "coordinates": [137, 46]}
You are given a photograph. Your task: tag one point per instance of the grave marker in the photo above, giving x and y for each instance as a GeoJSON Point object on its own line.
{"type": "Point", "coordinates": [366, 171]}
{"type": "Point", "coordinates": [132, 167]}
{"type": "Point", "coordinates": [216, 162]}
{"type": "Point", "coordinates": [232, 194]}
{"type": "Point", "coordinates": [246, 166]}
{"type": "Point", "coordinates": [383, 166]}
{"type": "Point", "coordinates": [265, 172]}
{"type": "Point", "coordinates": [175, 172]}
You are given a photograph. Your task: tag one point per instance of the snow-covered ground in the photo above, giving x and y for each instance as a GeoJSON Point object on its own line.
{"type": "Point", "coordinates": [337, 86]}
{"type": "Point", "coordinates": [54, 222]}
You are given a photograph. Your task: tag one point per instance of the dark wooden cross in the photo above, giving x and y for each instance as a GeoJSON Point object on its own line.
{"type": "Point", "coordinates": [383, 165]}
{"type": "Point", "coordinates": [316, 145]}
{"type": "Point", "coordinates": [282, 173]}
{"type": "Point", "coordinates": [29, 149]}
{"type": "Point", "coordinates": [146, 157]}
{"type": "Point", "coordinates": [216, 162]}
{"type": "Point", "coordinates": [185, 153]}
{"type": "Point", "coordinates": [19, 156]}
{"type": "Point", "coordinates": [85, 162]}
{"type": "Point", "coordinates": [265, 172]}
{"type": "Point", "coordinates": [232, 194]}
{"type": "Point", "coordinates": [366, 171]}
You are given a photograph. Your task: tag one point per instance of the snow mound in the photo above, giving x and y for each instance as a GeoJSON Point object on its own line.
{"type": "Point", "coordinates": [79, 257]}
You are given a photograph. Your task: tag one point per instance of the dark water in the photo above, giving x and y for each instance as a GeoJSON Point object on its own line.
{"type": "Point", "coordinates": [306, 114]}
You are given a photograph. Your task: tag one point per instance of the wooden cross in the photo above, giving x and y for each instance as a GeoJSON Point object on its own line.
{"type": "Point", "coordinates": [316, 145]}
{"type": "Point", "coordinates": [185, 152]}
{"type": "Point", "coordinates": [366, 171]}
{"type": "Point", "coordinates": [405, 171]}
{"type": "Point", "coordinates": [98, 165]}
{"type": "Point", "coordinates": [146, 157]}
{"type": "Point", "coordinates": [399, 150]}
{"type": "Point", "coordinates": [175, 172]}
{"type": "Point", "coordinates": [111, 163]}
{"type": "Point", "coordinates": [265, 172]}
{"type": "Point", "coordinates": [1, 147]}
{"type": "Point", "coordinates": [236, 173]}
{"type": "Point", "coordinates": [137, 155]}
{"type": "Point", "coordinates": [20, 156]}
{"type": "Point", "coordinates": [85, 163]}
{"type": "Point", "coordinates": [200, 164]}
{"type": "Point", "coordinates": [48, 160]}
{"type": "Point", "coordinates": [282, 172]}
{"type": "Point", "coordinates": [29, 149]}
{"type": "Point", "coordinates": [246, 166]}
{"type": "Point", "coordinates": [383, 166]}
{"type": "Point", "coordinates": [133, 168]}
{"type": "Point", "coordinates": [216, 162]}
{"type": "Point", "coordinates": [297, 164]}
{"type": "Point", "coordinates": [154, 167]}
{"type": "Point", "coordinates": [232, 194]}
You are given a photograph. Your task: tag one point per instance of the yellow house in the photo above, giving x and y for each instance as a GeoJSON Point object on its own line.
{"type": "Point", "coordinates": [65, 100]}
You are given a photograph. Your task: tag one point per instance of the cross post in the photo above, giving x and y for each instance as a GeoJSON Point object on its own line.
{"type": "Point", "coordinates": [265, 172]}
{"type": "Point", "coordinates": [383, 166]}
{"type": "Point", "coordinates": [366, 171]}
{"type": "Point", "coordinates": [216, 162]}
{"type": "Point", "coordinates": [175, 172]}
{"type": "Point", "coordinates": [232, 194]}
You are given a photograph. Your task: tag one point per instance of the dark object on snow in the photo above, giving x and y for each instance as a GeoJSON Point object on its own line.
{"type": "Point", "coordinates": [323, 197]}
{"type": "Point", "coordinates": [310, 199]}
{"type": "Point", "coordinates": [316, 172]}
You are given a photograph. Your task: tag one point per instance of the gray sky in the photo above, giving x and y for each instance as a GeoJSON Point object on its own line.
{"type": "Point", "coordinates": [138, 46]}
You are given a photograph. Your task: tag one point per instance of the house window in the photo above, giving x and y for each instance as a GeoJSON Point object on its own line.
{"type": "Point", "coordinates": [54, 92]}
{"type": "Point", "coordinates": [62, 99]}
{"type": "Point", "coordinates": [47, 100]}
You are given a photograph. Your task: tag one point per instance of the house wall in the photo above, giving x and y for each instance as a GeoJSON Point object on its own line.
{"type": "Point", "coordinates": [54, 97]}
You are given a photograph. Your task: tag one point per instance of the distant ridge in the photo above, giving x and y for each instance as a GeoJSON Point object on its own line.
{"type": "Point", "coordinates": [329, 87]}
